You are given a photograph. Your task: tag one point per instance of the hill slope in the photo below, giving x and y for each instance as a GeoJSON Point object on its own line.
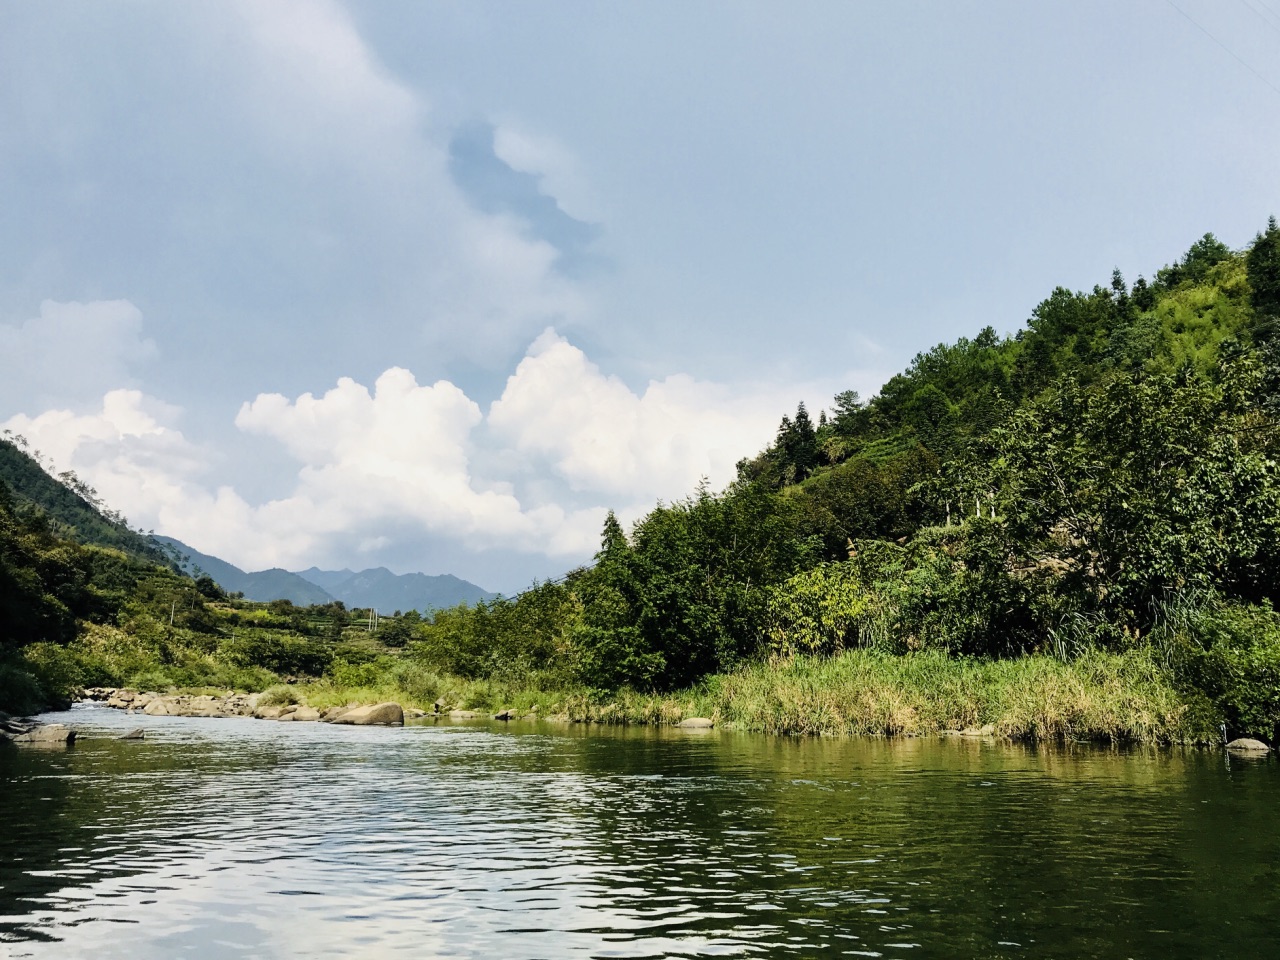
{"type": "Point", "coordinates": [71, 507]}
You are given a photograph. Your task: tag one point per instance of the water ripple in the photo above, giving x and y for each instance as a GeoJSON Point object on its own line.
{"type": "Point", "coordinates": [225, 839]}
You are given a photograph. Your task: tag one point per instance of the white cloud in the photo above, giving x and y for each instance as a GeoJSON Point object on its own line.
{"type": "Point", "coordinates": [70, 354]}
{"type": "Point", "coordinates": [129, 449]}
{"type": "Point", "coordinates": [395, 465]}
{"type": "Point", "coordinates": [602, 437]}
{"type": "Point", "coordinates": [323, 100]}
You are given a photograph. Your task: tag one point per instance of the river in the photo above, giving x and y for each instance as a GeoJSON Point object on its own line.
{"type": "Point", "coordinates": [243, 838]}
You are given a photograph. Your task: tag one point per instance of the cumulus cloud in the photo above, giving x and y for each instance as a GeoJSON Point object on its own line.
{"type": "Point", "coordinates": [70, 354]}
{"type": "Point", "coordinates": [399, 455]}
{"type": "Point", "coordinates": [129, 448]}
{"type": "Point", "coordinates": [323, 100]}
{"type": "Point", "coordinates": [600, 436]}
{"type": "Point", "coordinates": [396, 464]}
{"type": "Point", "coordinates": [255, 167]}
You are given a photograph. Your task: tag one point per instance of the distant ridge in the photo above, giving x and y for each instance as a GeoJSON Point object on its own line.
{"type": "Point", "coordinates": [378, 588]}
{"type": "Point", "coordinates": [274, 584]}
{"type": "Point", "coordinates": [384, 590]}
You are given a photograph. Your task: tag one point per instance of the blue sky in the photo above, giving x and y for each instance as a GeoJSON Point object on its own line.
{"type": "Point", "coordinates": [433, 285]}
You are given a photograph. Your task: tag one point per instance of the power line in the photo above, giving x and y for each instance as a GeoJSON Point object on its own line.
{"type": "Point", "coordinates": [1265, 18]}
{"type": "Point", "coordinates": [1240, 60]}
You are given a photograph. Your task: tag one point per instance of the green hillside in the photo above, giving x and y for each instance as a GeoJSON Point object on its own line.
{"type": "Point", "coordinates": [1103, 481]}
{"type": "Point", "coordinates": [72, 508]}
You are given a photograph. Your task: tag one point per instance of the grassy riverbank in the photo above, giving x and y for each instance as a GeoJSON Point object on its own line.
{"type": "Point", "coordinates": [1113, 697]}
{"type": "Point", "coordinates": [1103, 697]}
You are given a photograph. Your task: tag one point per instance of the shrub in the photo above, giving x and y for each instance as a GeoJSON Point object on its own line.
{"type": "Point", "coordinates": [279, 696]}
{"type": "Point", "coordinates": [1232, 655]}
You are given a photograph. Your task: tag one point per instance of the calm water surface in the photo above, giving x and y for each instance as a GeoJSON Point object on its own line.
{"type": "Point", "coordinates": [231, 838]}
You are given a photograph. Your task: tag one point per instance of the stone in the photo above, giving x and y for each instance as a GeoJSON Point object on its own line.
{"type": "Point", "coordinates": [305, 714]}
{"type": "Point", "coordinates": [137, 733]}
{"type": "Point", "coordinates": [159, 707]}
{"type": "Point", "coordinates": [696, 723]}
{"type": "Point", "coordinates": [462, 714]}
{"type": "Point", "coordinates": [268, 713]}
{"type": "Point", "coordinates": [379, 714]}
{"type": "Point", "coordinates": [413, 713]}
{"type": "Point", "coordinates": [505, 715]}
{"type": "Point", "coordinates": [1247, 745]}
{"type": "Point", "coordinates": [50, 734]}
{"type": "Point", "coordinates": [13, 726]}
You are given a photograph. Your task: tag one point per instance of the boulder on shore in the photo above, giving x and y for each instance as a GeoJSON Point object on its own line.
{"type": "Point", "coordinates": [379, 714]}
{"type": "Point", "coordinates": [1247, 745]}
{"type": "Point", "coordinates": [462, 714]}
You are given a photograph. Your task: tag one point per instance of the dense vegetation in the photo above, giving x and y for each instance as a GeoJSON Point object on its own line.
{"type": "Point", "coordinates": [1092, 503]}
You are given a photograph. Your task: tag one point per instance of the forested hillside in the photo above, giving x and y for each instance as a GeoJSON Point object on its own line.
{"type": "Point", "coordinates": [1104, 479]}
{"type": "Point", "coordinates": [71, 507]}
{"type": "Point", "coordinates": [1099, 492]}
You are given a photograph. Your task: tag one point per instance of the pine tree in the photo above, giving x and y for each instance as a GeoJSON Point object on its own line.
{"type": "Point", "coordinates": [1263, 266]}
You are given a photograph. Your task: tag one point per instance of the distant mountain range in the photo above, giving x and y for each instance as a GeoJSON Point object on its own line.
{"type": "Point", "coordinates": [378, 588]}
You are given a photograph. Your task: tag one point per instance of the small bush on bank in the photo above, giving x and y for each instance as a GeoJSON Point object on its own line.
{"type": "Point", "coordinates": [20, 691]}
{"type": "Point", "coordinates": [279, 696]}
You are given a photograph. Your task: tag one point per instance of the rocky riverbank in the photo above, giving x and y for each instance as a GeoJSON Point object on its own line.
{"type": "Point", "coordinates": [263, 707]}
{"type": "Point", "coordinates": [246, 705]}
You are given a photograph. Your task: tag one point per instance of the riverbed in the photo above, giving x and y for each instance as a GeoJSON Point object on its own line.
{"type": "Point", "coordinates": [243, 838]}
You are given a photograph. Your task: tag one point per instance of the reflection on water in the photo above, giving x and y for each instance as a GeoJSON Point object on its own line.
{"type": "Point", "coordinates": [223, 838]}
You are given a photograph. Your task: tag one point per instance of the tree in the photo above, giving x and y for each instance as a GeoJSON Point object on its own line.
{"type": "Point", "coordinates": [803, 454]}
{"type": "Point", "coordinates": [847, 409]}
{"type": "Point", "coordinates": [208, 588]}
{"type": "Point", "coordinates": [611, 651]}
{"type": "Point", "coordinates": [1138, 489]}
{"type": "Point", "coordinates": [1263, 266]}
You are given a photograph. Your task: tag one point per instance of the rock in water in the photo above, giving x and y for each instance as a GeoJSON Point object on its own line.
{"type": "Point", "coordinates": [380, 714]}
{"type": "Point", "coordinates": [696, 723]}
{"type": "Point", "coordinates": [137, 733]}
{"type": "Point", "coordinates": [1247, 745]}
{"type": "Point", "coordinates": [47, 734]}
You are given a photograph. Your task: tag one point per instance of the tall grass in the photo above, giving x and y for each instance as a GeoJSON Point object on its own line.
{"type": "Point", "coordinates": [1099, 696]}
